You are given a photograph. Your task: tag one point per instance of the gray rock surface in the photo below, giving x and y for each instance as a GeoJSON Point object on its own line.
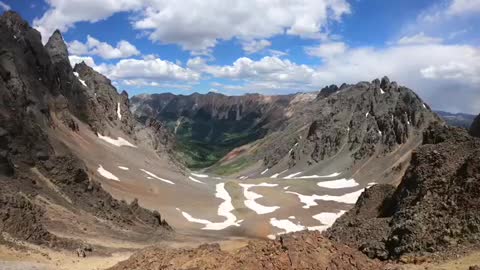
{"type": "Point", "coordinates": [475, 128]}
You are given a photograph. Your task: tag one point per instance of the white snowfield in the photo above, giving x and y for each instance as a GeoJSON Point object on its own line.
{"type": "Point", "coordinates": [199, 175]}
{"type": "Point", "coordinates": [292, 175]}
{"type": "Point", "coordinates": [123, 168]}
{"type": "Point", "coordinates": [158, 178]}
{"type": "Point", "coordinates": [117, 142]}
{"type": "Point", "coordinates": [277, 174]}
{"type": "Point", "coordinates": [225, 210]}
{"type": "Point", "coordinates": [336, 184]}
{"type": "Point", "coordinates": [106, 173]}
{"type": "Point", "coordinates": [349, 198]}
{"type": "Point", "coordinates": [327, 220]}
{"type": "Point", "coordinates": [286, 225]}
{"type": "Point", "coordinates": [307, 200]}
{"type": "Point", "coordinates": [195, 180]}
{"type": "Point", "coordinates": [318, 176]}
{"type": "Point", "coordinates": [381, 91]}
{"type": "Point", "coordinates": [119, 112]}
{"type": "Point", "coordinates": [251, 196]}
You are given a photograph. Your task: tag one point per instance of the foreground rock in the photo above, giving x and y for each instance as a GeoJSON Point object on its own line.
{"type": "Point", "coordinates": [475, 128]}
{"type": "Point", "coordinates": [434, 210]}
{"type": "Point", "coordinates": [306, 250]}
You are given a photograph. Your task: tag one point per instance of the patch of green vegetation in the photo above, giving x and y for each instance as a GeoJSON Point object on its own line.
{"type": "Point", "coordinates": [232, 167]}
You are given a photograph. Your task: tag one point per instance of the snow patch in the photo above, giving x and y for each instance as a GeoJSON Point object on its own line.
{"type": "Point", "coordinates": [327, 220]}
{"type": "Point", "coordinates": [195, 180]}
{"type": "Point", "coordinates": [123, 168]}
{"type": "Point", "coordinates": [156, 177]}
{"type": "Point", "coordinates": [225, 209]}
{"type": "Point", "coordinates": [318, 176]}
{"type": "Point", "coordinates": [265, 171]}
{"type": "Point", "coordinates": [291, 217]}
{"type": "Point", "coordinates": [271, 237]}
{"type": "Point", "coordinates": [424, 106]}
{"type": "Point", "coordinates": [117, 142]}
{"type": "Point", "coordinates": [307, 200]}
{"type": "Point", "coordinates": [381, 91]}
{"type": "Point", "coordinates": [349, 198]}
{"type": "Point", "coordinates": [286, 225]}
{"type": "Point", "coordinates": [287, 187]}
{"type": "Point", "coordinates": [277, 174]}
{"type": "Point", "coordinates": [292, 175]}
{"type": "Point", "coordinates": [107, 174]}
{"type": "Point", "coordinates": [243, 177]}
{"type": "Point", "coordinates": [252, 196]}
{"type": "Point", "coordinates": [199, 175]}
{"type": "Point", "coordinates": [341, 183]}
{"type": "Point", "coordinates": [119, 113]}
{"type": "Point", "coordinates": [367, 114]}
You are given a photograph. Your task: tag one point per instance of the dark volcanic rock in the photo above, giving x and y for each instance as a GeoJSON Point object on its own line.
{"type": "Point", "coordinates": [434, 209]}
{"type": "Point", "coordinates": [475, 128]}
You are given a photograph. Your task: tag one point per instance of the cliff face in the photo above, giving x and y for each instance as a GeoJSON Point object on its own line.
{"type": "Point", "coordinates": [475, 128]}
{"type": "Point", "coordinates": [434, 209]}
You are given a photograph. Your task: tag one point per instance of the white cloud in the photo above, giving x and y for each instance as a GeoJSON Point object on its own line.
{"type": "Point", "coordinates": [461, 7]}
{"type": "Point", "coordinates": [446, 76]}
{"type": "Point", "coordinates": [173, 22]}
{"type": "Point", "coordinates": [327, 50]}
{"type": "Point", "coordinates": [419, 38]}
{"type": "Point", "coordinates": [93, 46]}
{"type": "Point", "coordinates": [4, 6]}
{"type": "Point", "coordinates": [153, 69]}
{"type": "Point", "coordinates": [253, 46]}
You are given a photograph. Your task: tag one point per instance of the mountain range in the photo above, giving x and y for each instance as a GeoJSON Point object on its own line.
{"type": "Point", "coordinates": [360, 176]}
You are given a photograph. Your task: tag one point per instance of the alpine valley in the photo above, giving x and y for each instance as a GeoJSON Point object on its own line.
{"type": "Point", "coordinates": [356, 176]}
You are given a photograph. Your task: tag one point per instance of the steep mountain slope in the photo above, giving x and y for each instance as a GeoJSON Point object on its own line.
{"type": "Point", "coordinates": [341, 130]}
{"type": "Point", "coordinates": [49, 195]}
{"type": "Point", "coordinates": [475, 128]}
{"type": "Point", "coordinates": [457, 119]}
{"type": "Point", "coordinates": [208, 126]}
{"type": "Point", "coordinates": [434, 210]}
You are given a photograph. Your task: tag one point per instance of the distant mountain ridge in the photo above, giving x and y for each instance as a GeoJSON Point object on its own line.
{"type": "Point", "coordinates": [462, 120]}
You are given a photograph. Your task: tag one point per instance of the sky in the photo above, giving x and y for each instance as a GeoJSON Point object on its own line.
{"type": "Point", "coordinates": [271, 46]}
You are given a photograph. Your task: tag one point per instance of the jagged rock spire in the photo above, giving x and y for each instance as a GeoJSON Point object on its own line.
{"type": "Point", "coordinates": [57, 49]}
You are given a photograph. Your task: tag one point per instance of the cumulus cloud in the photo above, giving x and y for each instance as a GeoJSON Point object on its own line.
{"type": "Point", "coordinates": [327, 50]}
{"type": "Point", "coordinates": [93, 46]}
{"type": "Point", "coordinates": [4, 6]}
{"type": "Point", "coordinates": [461, 7]}
{"type": "Point", "coordinates": [253, 46]}
{"type": "Point", "coordinates": [446, 76]}
{"type": "Point", "coordinates": [419, 38]}
{"type": "Point", "coordinates": [173, 22]}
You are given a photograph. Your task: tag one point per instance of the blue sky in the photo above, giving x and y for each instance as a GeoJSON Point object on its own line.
{"type": "Point", "coordinates": [272, 47]}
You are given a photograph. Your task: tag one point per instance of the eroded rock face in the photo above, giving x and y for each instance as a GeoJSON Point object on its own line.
{"type": "Point", "coordinates": [305, 250]}
{"type": "Point", "coordinates": [434, 209]}
{"type": "Point", "coordinates": [475, 128]}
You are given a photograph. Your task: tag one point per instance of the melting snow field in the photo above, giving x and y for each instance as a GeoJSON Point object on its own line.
{"type": "Point", "coordinates": [225, 210]}
{"type": "Point", "coordinates": [327, 219]}
{"type": "Point", "coordinates": [123, 168]}
{"type": "Point", "coordinates": [119, 114]}
{"type": "Point", "coordinates": [199, 175]}
{"type": "Point", "coordinates": [318, 176]}
{"type": "Point", "coordinates": [341, 183]}
{"type": "Point", "coordinates": [156, 177]}
{"type": "Point", "coordinates": [118, 142]}
{"type": "Point", "coordinates": [277, 174]}
{"type": "Point", "coordinates": [286, 225]}
{"type": "Point", "coordinates": [349, 198]}
{"type": "Point", "coordinates": [252, 196]}
{"type": "Point", "coordinates": [195, 180]}
{"type": "Point", "coordinates": [292, 175]}
{"type": "Point", "coordinates": [107, 174]}
{"type": "Point", "coordinates": [307, 200]}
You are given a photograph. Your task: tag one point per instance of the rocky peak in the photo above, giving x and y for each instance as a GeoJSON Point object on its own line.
{"type": "Point", "coordinates": [15, 22]}
{"type": "Point", "coordinates": [475, 128]}
{"type": "Point", "coordinates": [57, 49]}
{"type": "Point", "coordinates": [328, 90]}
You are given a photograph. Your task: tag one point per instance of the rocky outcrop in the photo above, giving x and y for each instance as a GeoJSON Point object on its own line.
{"type": "Point", "coordinates": [475, 128]}
{"type": "Point", "coordinates": [305, 250]}
{"type": "Point", "coordinates": [433, 210]}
